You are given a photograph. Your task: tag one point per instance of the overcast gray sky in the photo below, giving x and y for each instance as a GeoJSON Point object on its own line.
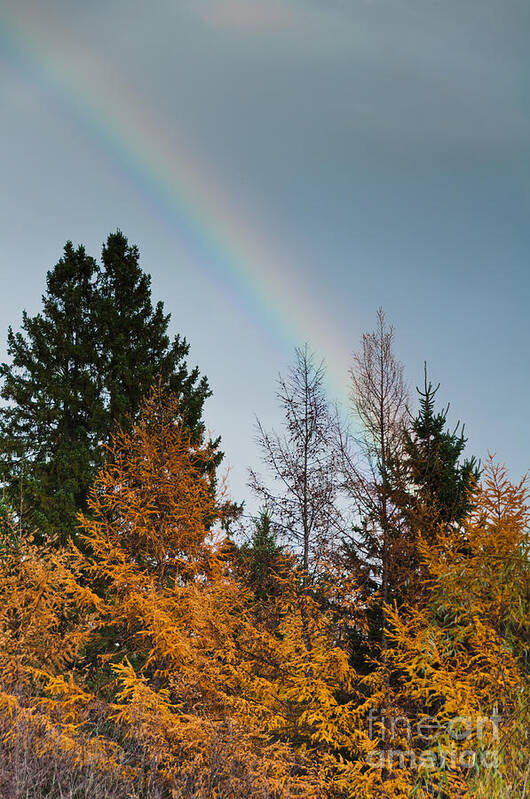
{"type": "Point", "coordinates": [285, 167]}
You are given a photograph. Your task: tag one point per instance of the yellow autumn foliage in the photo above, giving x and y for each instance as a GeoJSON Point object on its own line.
{"type": "Point", "coordinates": [461, 662]}
{"type": "Point", "coordinates": [145, 656]}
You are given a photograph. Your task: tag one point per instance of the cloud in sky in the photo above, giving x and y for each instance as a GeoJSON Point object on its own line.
{"type": "Point", "coordinates": [418, 76]}
{"type": "Point", "coordinates": [250, 16]}
{"type": "Point", "coordinates": [388, 139]}
{"type": "Point", "coordinates": [316, 26]}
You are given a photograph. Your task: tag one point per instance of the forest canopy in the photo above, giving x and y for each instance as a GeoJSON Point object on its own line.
{"type": "Point", "coordinates": [366, 634]}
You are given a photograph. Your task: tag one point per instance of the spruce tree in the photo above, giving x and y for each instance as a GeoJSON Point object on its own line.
{"type": "Point", "coordinates": [440, 480]}
{"type": "Point", "coordinates": [50, 423]}
{"type": "Point", "coordinates": [262, 558]}
{"type": "Point", "coordinates": [136, 348]}
{"type": "Point", "coordinates": [77, 369]}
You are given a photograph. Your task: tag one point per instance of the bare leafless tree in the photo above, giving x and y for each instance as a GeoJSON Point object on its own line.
{"type": "Point", "coordinates": [301, 491]}
{"type": "Point", "coordinates": [371, 456]}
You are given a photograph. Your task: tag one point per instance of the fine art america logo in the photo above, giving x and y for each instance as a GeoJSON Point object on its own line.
{"type": "Point", "coordinates": [462, 741]}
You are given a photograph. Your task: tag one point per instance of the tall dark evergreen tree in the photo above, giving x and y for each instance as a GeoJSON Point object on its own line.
{"type": "Point", "coordinates": [50, 425]}
{"type": "Point", "coordinates": [440, 479]}
{"type": "Point", "coordinates": [136, 348]}
{"type": "Point", "coordinates": [77, 368]}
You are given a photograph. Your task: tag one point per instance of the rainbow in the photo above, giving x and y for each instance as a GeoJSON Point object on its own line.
{"type": "Point", "coordinates": [182, 189]}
